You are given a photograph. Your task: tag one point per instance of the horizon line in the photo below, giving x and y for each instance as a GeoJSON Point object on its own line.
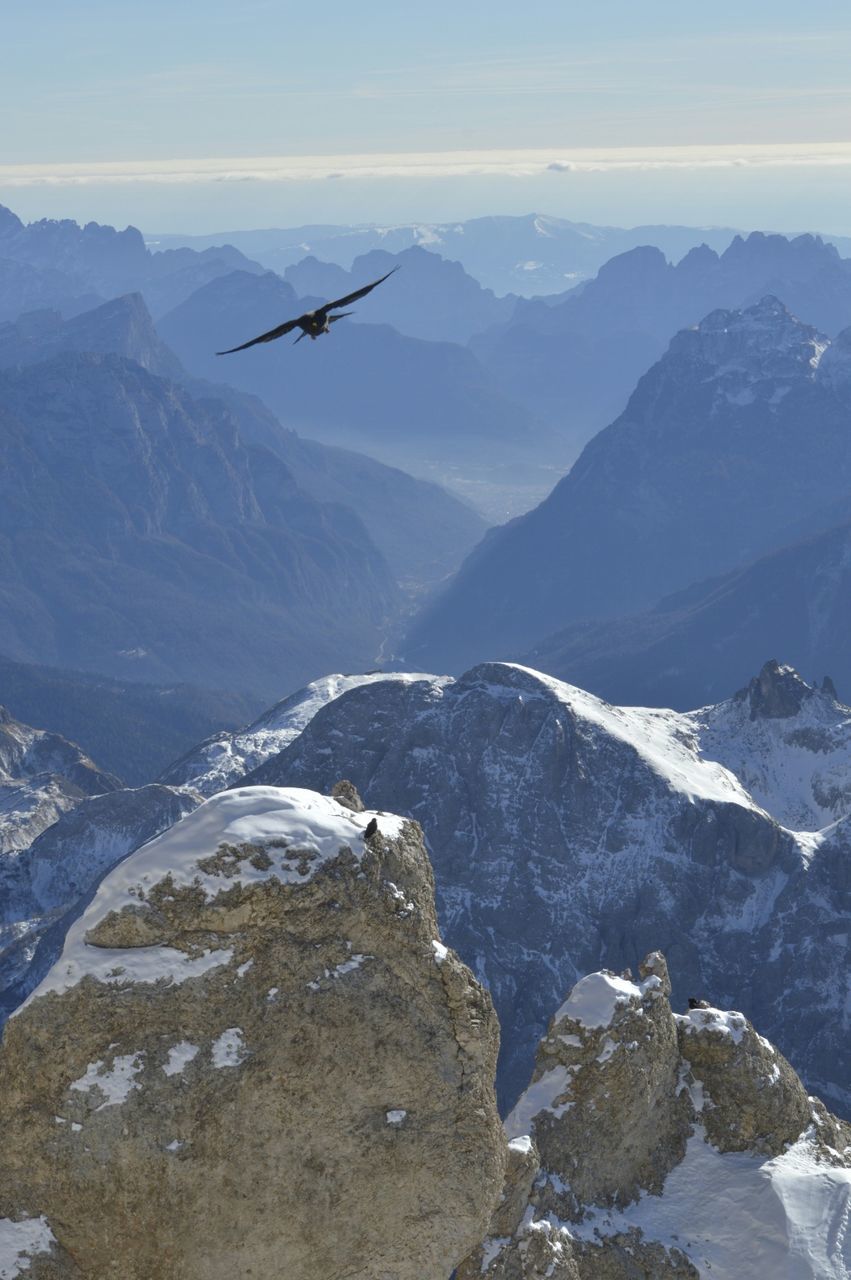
{"type": "Point", "coordinates": [516, 162]}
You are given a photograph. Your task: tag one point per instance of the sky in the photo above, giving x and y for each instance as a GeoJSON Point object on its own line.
{"type": "Point", "coordinates": [197, 117]}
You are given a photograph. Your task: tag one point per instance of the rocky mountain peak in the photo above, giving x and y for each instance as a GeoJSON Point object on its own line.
{"type": "Point", "coordinates": [42, 775]}
{"type": "Point", "coordinates": [668, 1146]}
{"type": "Point", "coordinates": [834, 368]}
{"type": "Point", "coordinates": [777, 693]}
{"type": "Point", "coordinates": [637, 267]}
{"type": "Point", "coordinates": [256, 1010]}
{"type": "Point", "coordinates": [761, 342]}
{"type": "Point", "coordinates": [787, 256]}
{"type": "Point", "coordinates": [123, 326]}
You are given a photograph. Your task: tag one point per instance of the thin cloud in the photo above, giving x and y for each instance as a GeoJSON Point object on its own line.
{"type": "Point", "coordinates": [434, 164]}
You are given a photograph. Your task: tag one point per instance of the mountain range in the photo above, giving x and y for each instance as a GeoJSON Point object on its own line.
{"type": "Point", "coordinates": [534, 253]}
{"type": "Point", "coordinates": [574, 358]}
{"type": "Point", "coordinates": [736, 437]}
{"type": "Point", "coordinates": [142, 538]}
{"type": "Point", "coordinates": [61, 265]}
{"type": "Point", "coordinates": [427, 407]}
{"type": "Point", "coordinates": [561, 828]}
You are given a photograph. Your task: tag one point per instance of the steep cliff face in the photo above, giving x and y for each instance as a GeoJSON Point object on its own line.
{"type": "Point", "coordinates": [254, 1057]}
{"type": "Point", "coordinates": [659, 1146]}
{"type": "Point", "coordinates": [569, 834]}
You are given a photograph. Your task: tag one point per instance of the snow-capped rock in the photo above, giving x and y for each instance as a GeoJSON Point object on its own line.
{"type": "Point", "coordinates": [42, 775]}
{"type": "Point", "coordinates": [567, 833]}
{"type": "Point", "coordinates": [248, 1038]}
{"type": "Point", "coordinates": [678, 1146]}
{"type": "Point", "coordinates": [788, 743]}
{"type": "Point", "coordinates": [43, 885]}
{"type": "Point", "coordinates": [226, 757]}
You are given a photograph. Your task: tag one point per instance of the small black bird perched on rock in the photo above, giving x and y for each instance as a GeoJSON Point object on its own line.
{"type": "Point", "coordinates": [313, 323]}
{"type": "Point", "coordinates": [371, 829]}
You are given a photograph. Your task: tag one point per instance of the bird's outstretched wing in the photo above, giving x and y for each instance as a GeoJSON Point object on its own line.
{"type": "Point", "coordinates": [264, 337]}
{"type": "Point", "coordinates": [359, 293]}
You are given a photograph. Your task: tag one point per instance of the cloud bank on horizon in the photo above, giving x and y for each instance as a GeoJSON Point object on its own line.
{"type": "Point", "coordinates": [520, 162]}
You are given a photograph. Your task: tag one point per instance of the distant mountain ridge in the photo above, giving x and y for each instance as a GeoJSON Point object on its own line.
{"type": "Point", "coordinates": [141, 537]}
{"type": "Point", "coordinates": [427, 407]}
{"type": "Point", "coordinates": [575, 358]}
{"type": "Point", "coordinates": [59, 264]}
{"type": "Point", "coordinates": [526, 254]}
{"type": "Point", "coordinates": [422, 530]}
{"type": "Point", "coordinates": [740, 428]}
{"type": "Point", "coordinates": [433, 298]}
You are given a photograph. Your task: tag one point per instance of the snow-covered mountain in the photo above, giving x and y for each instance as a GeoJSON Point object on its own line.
{"type": "Point", "coordinates": [42, 775]}
{"type": "Point", "coordinates": [63, 822]}
{"type": "Point", "coordinates": [568, 834]}
{"type": "Point", "coordinates": [224, 758]}
{"type": "Point", "coordinates": [45, 884]}
{"type": "Point", "coordinates": [740, 430]}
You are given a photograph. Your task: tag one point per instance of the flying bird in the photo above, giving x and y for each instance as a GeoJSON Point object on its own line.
{"type": "Point", "coordinates": [312, 323]}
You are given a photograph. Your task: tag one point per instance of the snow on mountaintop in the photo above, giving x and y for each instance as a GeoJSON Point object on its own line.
{"type": "Point", "coordinates": [663, 738]}
{"type": "Point", "coordinates": [281, 834]}
{"type": "Point", "coordinates": [764, 341]}
{"type": "Point", "coordinates": [786, 1216]}
{"type": "Point", "coordinates": [226, 757]}
{"type": "Point", "coordinates": [795, 761]}
{"type": "Point", "coordinates": [726, 1023]}
{"type": "Point", "coordinates": [593, 1000]}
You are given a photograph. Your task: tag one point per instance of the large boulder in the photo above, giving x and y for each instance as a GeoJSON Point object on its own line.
{"type": "Point", "coordinates": [254, 1057]}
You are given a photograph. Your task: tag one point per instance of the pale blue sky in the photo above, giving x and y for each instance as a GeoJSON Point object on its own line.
{"type": "Point", "coordinates": [162, 85]}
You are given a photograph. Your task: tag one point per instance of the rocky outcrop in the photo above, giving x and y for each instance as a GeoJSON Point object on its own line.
{"type": "Point", "coordinates": [667, 1147]}
{"type": "Point", "coordinates": [255, 1057]}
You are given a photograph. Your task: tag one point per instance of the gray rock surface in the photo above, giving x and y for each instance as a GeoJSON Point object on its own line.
{"type": "Point", "coordinates": [255, 1038]}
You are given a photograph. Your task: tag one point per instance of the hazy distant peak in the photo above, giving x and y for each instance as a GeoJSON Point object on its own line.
{"type": "Point", "coordinates": [805, 251]}
{"type": "Point", "coordinates": [9, 222]}
{"type": "Point", "coordinates": [762, 341]}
